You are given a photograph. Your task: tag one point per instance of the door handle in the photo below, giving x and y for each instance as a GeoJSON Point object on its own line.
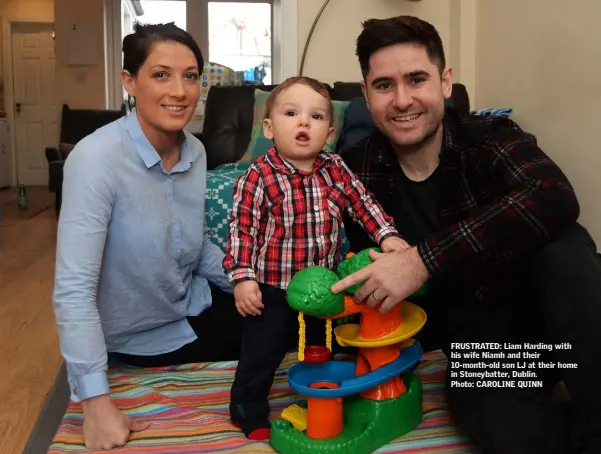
{"type": "Point", "coordinates": [18, 107]}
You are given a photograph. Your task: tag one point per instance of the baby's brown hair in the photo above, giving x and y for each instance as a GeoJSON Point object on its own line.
{"type": "Point", "coordinates": [314, 84]}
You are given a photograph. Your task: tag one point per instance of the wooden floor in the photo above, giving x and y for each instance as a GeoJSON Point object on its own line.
{"type": "Point", "coordinates": [29, 353]}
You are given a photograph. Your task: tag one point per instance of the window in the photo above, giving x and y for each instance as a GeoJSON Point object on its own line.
{"type": "Point", "coordinates": [240, 39]}
{"type": "Point", "coordinates": [163, 11]}
{"type": "Point", "coordinates": [151, 12]}
{"type": "Point", "coordinates": [257, 39]}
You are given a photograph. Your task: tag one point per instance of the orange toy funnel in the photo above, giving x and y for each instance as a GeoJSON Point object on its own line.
{"type": "Point", "coordinates": [375, 325]}
{"type": "Point", "coordinates": [324, 415]}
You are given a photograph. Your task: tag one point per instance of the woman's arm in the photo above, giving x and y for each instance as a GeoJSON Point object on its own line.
{"type": "Point", "coordinates": [209, 264]}
{"type": "Point", "coordinates": [88, 196]}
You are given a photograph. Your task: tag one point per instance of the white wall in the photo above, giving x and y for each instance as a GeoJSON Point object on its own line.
{"type": "Point", "coordinates": [331, 55]}
{"type": "Point", "coordinates": [542, 58]}
{"type": "Point", "coordinates": [81, 87]}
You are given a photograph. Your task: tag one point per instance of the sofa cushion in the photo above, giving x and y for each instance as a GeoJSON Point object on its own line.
{"type": "Point", "coordinates": [65, 149]}
{"type": "Point", "coordinates": [219, 200]}
{"type": "Point", "coordinates": [503, 112]}
{"type": "Point", "coordinates": [79, 123]}
{"type": "Point", "coordinates": [259, 144]}
{"type": "Point", "coordinates": [358, 124]}
{"type": "Point", "coordinates": [228, 123]}
{"type": "Point", "coordinates": [346, 91]}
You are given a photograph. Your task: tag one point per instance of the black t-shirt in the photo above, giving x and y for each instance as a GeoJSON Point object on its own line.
{"type": "Point", "coordinates": [417, 216]}
{"type": "Point", "coordinates": [417, 205]}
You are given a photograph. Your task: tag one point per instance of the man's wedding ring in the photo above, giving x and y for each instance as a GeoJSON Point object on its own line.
{"type": "Point", "coordinates": [376, 297]}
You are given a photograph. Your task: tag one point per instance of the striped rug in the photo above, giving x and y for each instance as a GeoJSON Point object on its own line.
{"type": "Point", "coordinates": [188, 408]}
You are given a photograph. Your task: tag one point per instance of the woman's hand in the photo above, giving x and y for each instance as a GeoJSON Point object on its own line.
{"type": "Point", "coordinates": [104, 426]}
{"type": "Point", "coordinates": [391, 278]}
{"type": "Point", "coordinates": [248, 298]}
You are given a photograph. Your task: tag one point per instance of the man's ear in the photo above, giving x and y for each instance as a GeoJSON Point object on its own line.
{"type": "Point", "coordinates": [267, 129]}
{"type": "Point", "coordinates": [447, 82]}
{"type": "Point", "coordinates": [331, 133]}
{"type": "Point", "coordinates": [364, 90]}
{"type": "Point", "coordinates": [129, 83]}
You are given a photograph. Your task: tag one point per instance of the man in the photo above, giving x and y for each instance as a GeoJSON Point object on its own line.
{"type": "Point", "coordinates": [492, 222]}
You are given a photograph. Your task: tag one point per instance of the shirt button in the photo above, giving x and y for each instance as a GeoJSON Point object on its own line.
{"type": "Point", "coordinates": [316, 207]}
{"type": "Point", "coordinates": [76, 391]}
{"type": "Point", "coordinates": [181, 307]}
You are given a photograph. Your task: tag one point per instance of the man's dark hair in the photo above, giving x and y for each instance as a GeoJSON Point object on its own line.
{"type": "Point", "coordinates": [379, 33]}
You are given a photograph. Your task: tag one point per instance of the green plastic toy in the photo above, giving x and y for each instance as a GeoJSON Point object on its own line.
{"type": "Point", "coordinates": [309, 292]}
{"type": "Point", "coordinates": [355, 263]}
{"type": "Point", "coordinates": [369, 425]}
{"type": "Point", "coordinates": [361, 422]}
{"type": "Point", "coordinates": [361, 260]}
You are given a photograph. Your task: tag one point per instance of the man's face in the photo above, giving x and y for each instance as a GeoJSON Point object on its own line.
{"type": "Point", "coordinates": [405, 93]}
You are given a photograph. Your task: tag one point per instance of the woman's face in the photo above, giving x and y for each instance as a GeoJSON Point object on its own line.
{"type": "Point", "coordinates": [166, 88]}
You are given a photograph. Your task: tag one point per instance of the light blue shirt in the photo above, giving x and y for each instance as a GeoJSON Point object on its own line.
{"type": "Point", "coordinates": [133, 257]}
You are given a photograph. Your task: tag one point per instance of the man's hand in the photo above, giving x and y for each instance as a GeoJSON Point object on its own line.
{"type": "Point", "coordinates": [391, 278]}
{"type": "Point", "coordinates": [394, 243]}
{"type": "Point", "coordinates": [104, 426]}
{"type": "Point", "coordinates": [248, 298]}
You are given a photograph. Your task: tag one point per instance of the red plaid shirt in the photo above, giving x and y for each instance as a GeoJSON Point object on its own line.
{"type": "Point", "coordinates": [285, 219]}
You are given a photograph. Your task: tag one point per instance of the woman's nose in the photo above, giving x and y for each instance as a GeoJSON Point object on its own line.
{"type": "Point", "coordinates": [177, 88]}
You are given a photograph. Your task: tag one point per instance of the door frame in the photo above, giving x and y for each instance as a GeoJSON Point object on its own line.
{"type": "Point", "coordinates": [7, 70]}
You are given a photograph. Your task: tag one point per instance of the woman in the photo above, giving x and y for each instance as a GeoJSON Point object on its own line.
{"type": "Point", "coordinates": [135, 273]}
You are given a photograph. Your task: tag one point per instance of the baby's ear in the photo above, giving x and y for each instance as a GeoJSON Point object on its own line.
{"type": "Point", "coordinates": [267, 130]}
{"type": "Point", "coordinates": [331, 133]}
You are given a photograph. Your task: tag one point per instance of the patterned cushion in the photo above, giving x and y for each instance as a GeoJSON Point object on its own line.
{"type": "Point", "coordinates": [259, 145]}
{"type": "Point", "coordinates": [219, 200]}
{"type": "Point", "coordinates": [493, 112]}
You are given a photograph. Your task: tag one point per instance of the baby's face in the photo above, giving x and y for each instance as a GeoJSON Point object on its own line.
{"type": "Point", "coordinates": [299, 123]}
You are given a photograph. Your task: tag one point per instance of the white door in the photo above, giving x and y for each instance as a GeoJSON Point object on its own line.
{"type": "Point", "coordinates": [36, 111]}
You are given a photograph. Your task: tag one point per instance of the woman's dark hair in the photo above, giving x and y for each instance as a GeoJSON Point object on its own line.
{"type": "Point", "coordinates": [137, 45]}
{"type": "Point", "coordinates": [379, 33]}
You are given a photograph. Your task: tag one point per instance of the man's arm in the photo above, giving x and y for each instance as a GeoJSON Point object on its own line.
{"type": "Point", "coordinates": [241, 252]}
{"type": "Point", "coordinates": [533, 201]}
{"type": "Point", "coordinates": [85, 213]}
{"type": "Point", "coordinates": [364, 210]}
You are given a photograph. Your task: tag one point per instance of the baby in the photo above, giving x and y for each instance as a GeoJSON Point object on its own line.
{"type": "Point", "coordinates": [287, 215]}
